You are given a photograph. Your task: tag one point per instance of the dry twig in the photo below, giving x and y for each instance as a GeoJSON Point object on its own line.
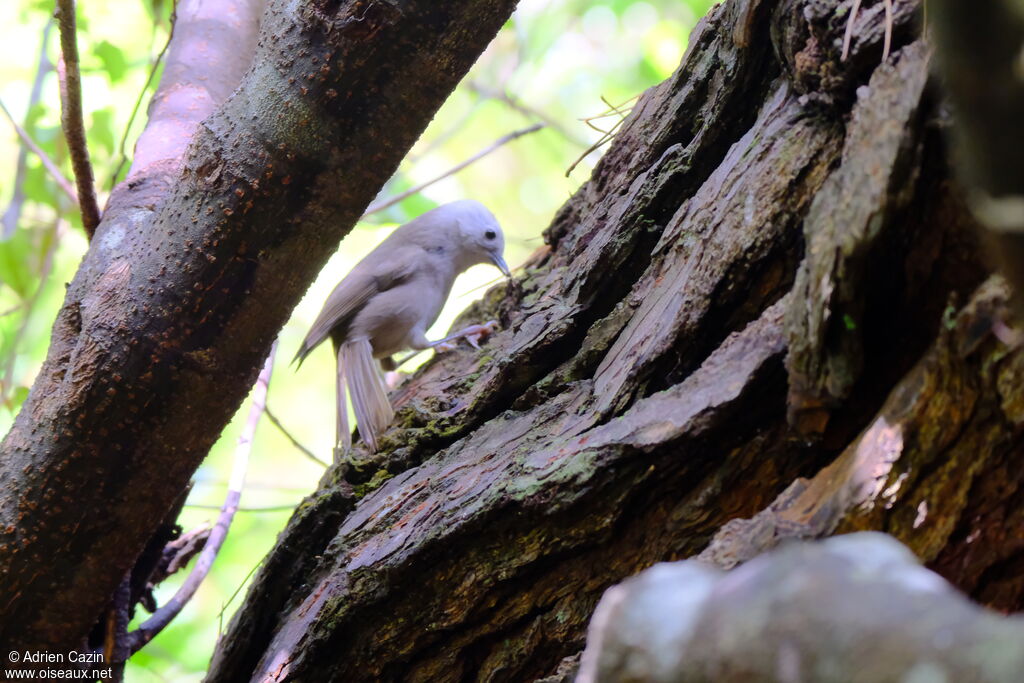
{"type": "Point", "coordinates": [606, 135]}
{"type": "Point", "coordinates": [504, 140]}
{"type": "Point", "coordinates": [48, 163]}
{"type": "Point", "coordinates": [163, 616]}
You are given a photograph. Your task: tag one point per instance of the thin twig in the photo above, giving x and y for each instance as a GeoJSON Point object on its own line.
{"type": "Point", "coordinates": [238, 589]}
{"type": "Point", "coordinates": [514, 104]}
{"type": "Point", "coordinates": [71, 115]}
{"type": "Point", "coordinates": [606, 135]}
{"type": "Point", "coordinates": [504, 140]}
{"type": "Point", "coordinates": [443, 137]}
{"type": "Point", "coordinates": [138, 100]}
{"type": "Point", "coordinates": [265, 508]}
{"type": "Point", "coordinates": [295, 442]}
{"type": "Point", "coordinates": [163, 616]}
{"type": "Point", "coordinates": [612, 110]}
{"type": "Point", "coordinates": [48, 163]}
{"type": "Point", "coordinates": [13, 212]}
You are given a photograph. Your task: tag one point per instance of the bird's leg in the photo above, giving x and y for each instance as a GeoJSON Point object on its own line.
{"type": "Point", "coordinates": [472, 334]}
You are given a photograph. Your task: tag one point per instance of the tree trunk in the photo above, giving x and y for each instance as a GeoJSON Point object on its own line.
{"type": "Point", "coordinates": [255, 163]}
{"type": "Point", "coordinates": [763, 279]}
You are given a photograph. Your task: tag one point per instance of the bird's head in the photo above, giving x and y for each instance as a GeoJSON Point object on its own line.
{"type": "Point", "coordinates": [480, 236]}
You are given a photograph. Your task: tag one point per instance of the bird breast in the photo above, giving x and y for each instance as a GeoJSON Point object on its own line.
{"type": "Point", "coordinates": [390, 317]}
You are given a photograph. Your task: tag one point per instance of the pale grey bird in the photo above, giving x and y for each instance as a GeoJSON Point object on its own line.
{"type": "Point", "coordinates": [389, 299]}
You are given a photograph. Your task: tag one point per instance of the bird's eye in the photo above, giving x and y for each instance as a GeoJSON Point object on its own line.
{"type": "Point", "coordinates": [490, 234]}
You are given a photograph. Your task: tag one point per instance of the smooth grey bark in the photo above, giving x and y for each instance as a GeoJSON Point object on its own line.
{"type": "Point", "coordinates": [191, 274]}
{"type": "Point", "coordinates": [856, 608]}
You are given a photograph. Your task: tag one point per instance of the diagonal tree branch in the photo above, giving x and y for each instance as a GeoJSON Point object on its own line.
{"type": "Point", "coordinates": [497, 144]}
{"type": "Point", "coordinates": [71, 115]}
{"type": "Point", "coordinates": [241, 187]}
{"type": "Point", "coordinates": [49, 164]}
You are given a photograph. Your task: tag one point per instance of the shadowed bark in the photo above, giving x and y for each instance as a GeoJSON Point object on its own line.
{"type": "Point", "coordinates": [243, 184]}
{"type": "Point", "coordinates": [771, 248]}
{"type": "Point", "coordinates": [979, 52]}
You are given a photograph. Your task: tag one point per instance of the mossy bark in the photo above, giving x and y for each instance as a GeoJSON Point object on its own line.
{"type": "Point", "coordinates": [770, 261]}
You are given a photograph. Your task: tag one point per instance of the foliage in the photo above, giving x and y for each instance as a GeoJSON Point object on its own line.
{"type": "Point", "coordinates": [553, 62]}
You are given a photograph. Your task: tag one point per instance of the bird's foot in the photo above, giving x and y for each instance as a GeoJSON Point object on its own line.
{"type": "Point", "coordinates": [473, 334]}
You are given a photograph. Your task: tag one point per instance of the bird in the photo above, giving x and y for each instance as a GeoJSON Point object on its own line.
{"type": "Point", "coordinates": [389, 300]}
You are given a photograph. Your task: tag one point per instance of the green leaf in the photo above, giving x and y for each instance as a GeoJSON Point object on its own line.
{"type": "Point", "coordinates": [16, 257]}
{"type": "Point", "coordinates": [114, 62]}
{"type": "Point", "coordinates": [35, 114]}
{"type": "Point", "coordinates": [101, 132]}
{"type": "Point", "coordinates": [39, 187]}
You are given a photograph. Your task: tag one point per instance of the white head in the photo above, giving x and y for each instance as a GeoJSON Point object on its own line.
{"type": "Point", "coordinates": [480, 236]}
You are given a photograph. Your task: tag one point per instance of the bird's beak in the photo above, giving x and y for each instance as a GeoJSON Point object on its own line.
{"type": "Point", "coordinates": [500, 263]}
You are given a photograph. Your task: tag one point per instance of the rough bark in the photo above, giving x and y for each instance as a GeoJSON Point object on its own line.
{"type": "Point", "coordinates": [853, 609]}
{"type": "Point", "coordinates": [771, 246]}
{"type": "Point", "coordinates": [196, 265]}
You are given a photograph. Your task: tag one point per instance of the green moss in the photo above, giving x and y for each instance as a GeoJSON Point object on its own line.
{"type": "Point", "coordinates": [376, 481]}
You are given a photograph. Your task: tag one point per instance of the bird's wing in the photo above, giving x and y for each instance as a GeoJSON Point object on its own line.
{"type": "Point", "coordinates": [374, 274]}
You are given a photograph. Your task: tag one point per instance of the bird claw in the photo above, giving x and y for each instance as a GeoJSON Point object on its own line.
{"type": "Point", "coordinates": [473, 335]}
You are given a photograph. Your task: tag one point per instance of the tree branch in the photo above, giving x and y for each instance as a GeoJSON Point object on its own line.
{"type": "Point", "coordinates": [71, 115]}
{"type": "Point", "coordinates": [500, 142]}
{"type": "Point", "coordinates": [163, 616]}
{"type": "Point", "coordinates": [240, 190]}
{"type": "Point", "coordinates": [48, 163]}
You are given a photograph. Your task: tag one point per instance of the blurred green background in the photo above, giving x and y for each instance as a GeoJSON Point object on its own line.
{"type": "Point", "coordinates": [557, 62]}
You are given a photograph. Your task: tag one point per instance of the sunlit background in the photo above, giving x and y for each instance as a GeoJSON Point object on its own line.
{"type": "Point", "coordinates": [560, 63]}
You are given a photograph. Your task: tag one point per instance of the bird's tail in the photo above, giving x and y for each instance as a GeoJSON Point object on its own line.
{"type": "Point", "coordinates": [357, 370]}
{"type": "Point", "coordinates": [344, 433]}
